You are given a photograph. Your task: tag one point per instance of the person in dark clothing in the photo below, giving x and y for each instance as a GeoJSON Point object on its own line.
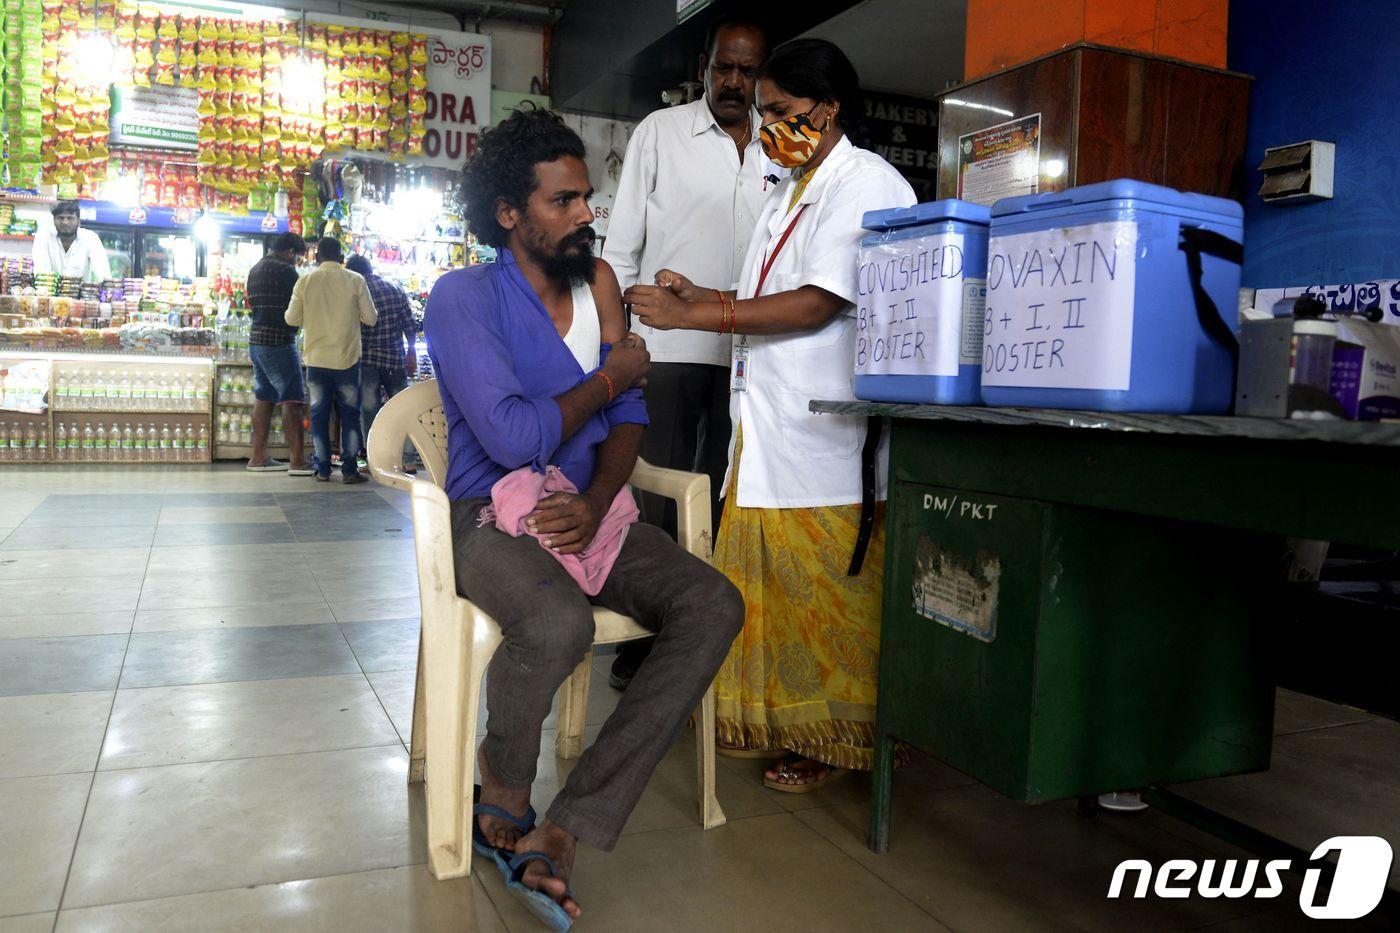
{"type": "Point", "coordinates": [385, 365]}
{"type": "Point", "coordinates": [273, 349]}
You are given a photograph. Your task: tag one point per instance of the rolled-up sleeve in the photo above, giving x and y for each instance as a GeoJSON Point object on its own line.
{"type": "Point", "coordinates": [474, 367]}
{"type": "Point", "coordinates": [628, 407]}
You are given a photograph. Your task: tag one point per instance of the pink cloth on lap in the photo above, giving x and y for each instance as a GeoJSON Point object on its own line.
{"type": "Point", "coordinates": [515, 496]}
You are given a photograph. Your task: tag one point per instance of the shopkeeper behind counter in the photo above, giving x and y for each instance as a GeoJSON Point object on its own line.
{"type": "Point", "coordinates": [69, 250]}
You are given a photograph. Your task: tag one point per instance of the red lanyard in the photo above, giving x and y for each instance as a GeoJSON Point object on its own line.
{"type": "Point", "coordinates": [768, 263]}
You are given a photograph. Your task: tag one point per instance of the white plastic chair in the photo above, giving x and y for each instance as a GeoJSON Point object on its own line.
{"type": "Point", "coordinates": [457, 639]}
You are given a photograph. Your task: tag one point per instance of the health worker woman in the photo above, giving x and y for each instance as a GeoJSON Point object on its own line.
{"type": "Point", "coordinates": [801, 535]}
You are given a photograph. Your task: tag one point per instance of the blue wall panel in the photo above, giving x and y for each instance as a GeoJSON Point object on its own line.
{"type": "Point", "coordinates": [1326, 69]}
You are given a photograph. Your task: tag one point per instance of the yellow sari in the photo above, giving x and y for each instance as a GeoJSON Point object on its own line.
{"type": "Point", "coordinates": [801, 675]}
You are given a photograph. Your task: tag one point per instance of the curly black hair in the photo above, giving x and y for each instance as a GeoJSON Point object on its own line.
{"type": "Point", "coordinates": [503, 167]}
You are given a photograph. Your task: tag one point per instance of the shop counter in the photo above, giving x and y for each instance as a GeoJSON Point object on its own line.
{"type": "Point", "coordinates": [1078, 603]}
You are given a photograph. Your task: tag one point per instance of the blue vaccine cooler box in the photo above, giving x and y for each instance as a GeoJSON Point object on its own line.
{"type": "Point", "coordinates": [1117, 296]}
{"type": "Point", "coordinates": [919, 315]}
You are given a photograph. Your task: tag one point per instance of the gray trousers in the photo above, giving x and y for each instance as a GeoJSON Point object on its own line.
{"type": "Point", "coordinates": [547, 624]}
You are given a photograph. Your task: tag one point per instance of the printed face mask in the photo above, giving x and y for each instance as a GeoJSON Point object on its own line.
{"type": "Point", "coordinates": [791, 142]}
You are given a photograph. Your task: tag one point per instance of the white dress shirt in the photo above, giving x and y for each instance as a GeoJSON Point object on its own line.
{"type": "Point", "coordinates": [86, 259]}
{"type": "Point", "coordinates": [792, 457]}
{"type": "Point", "coordinates": [685, 203]}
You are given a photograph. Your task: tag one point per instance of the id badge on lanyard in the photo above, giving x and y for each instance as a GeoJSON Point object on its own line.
{"type": "Point", "coordinates": [740, 366]}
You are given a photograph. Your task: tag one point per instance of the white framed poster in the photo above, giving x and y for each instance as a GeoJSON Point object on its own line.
{"type": "Point", "coordinates": [1001, 161]}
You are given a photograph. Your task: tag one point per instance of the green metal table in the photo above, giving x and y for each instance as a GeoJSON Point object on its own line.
{"type": "Point", "coordinates": [1078, 602]}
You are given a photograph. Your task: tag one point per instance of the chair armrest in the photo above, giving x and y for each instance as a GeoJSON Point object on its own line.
{"type": "Point", "coordinates": [432, 545]}
{"type": "Point", "coordinates": [390, 476]}
{"type": "Point", "coordinates": [691, 492]}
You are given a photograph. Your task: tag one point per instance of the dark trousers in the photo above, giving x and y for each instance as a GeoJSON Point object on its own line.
{"type": "Point", "coordinates": [378, 384]}
{"type": "Point", "coordinates": [688, 407]}
{"type": "Point", "coordinates": [547, 625]}
{"type": "Point", "coordinates": [337, 389]}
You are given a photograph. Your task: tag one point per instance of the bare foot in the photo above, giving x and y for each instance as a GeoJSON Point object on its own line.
{"type": "Point", "coordinates": [555, 842]}
{"type": "Point", "coordinates": [498, 832]}
{"type": "Point", "coordinates": [798, 771]}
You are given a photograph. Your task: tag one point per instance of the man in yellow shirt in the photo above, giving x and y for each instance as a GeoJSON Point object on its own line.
{"type": "Point", "coordinates": [329, 304]}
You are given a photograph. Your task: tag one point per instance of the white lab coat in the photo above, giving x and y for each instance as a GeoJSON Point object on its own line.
{"type": "Point", "coordinates": [793, 458]}
{"type": "Point", "coordinates": [86, 259]}
{"type": "Point", "coordinates": [685, 203]}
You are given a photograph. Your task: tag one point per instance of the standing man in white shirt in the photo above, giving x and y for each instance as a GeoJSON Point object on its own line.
{"type": "Point", "coordinates": [68, 249]}
{"type": "Point", "coordinates": [693, 184]}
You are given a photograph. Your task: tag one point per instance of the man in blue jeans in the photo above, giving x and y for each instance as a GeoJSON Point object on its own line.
{"type": "Point", "coordinates": [331, 303]}
{"type": "Point", "coordinates": [385, 364]}
{"type": "Point", "coordinates": [273, 351]}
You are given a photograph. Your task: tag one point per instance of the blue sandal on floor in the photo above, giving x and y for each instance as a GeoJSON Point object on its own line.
{"type": "Point", "coordinates": [501, 857]}
{"type": "Point", "coordinates": [545, 908]}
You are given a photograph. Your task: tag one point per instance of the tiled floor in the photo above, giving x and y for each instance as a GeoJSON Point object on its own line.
{"type": "Point", "coordinates": [205, 689]}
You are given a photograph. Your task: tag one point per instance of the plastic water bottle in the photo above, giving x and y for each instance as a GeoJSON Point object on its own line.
{"type": "Point", "coordinates": [88, 440]}
{"type": "Point", "coordinates": [128, 442]}
{"type": "Point", "coordinates": [99, 446]}
{"type": "Point", "coordinates": [166, 443]}
{"type": "Point", "coordinates": [61, 442]}
{"type": "Point", "coordinates": [139, 445]}
{"type": "Point", "coordinates": [124, 390]}
{"type": "Point", "coordinates": [202, 444]}
{"type": "Point", "coordinates": [187, 392]}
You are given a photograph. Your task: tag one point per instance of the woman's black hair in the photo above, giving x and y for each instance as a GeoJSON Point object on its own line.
{"type": "Point", "coordinates": [817, 70]}
{"type": "Point", "coordinates": [503, 167]}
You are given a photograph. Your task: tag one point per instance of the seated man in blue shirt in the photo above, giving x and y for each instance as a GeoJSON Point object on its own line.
{"type": "Point", "coordinates": [536, 368]}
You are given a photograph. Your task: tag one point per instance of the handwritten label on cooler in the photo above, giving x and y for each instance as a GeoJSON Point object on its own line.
{"type": "Point", "coordinates": [909, 319]}
{"type": "Point", "coordinates": [1060, 308]}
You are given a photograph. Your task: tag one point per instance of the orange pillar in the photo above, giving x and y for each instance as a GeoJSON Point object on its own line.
{"type": "Point", "coordinates": [1002, 33]}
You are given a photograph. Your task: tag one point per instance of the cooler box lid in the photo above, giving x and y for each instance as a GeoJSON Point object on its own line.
{"type": "Point", "coordinates": [929, 212]}
{"type": "Point", "coordinates": [1120, 189]}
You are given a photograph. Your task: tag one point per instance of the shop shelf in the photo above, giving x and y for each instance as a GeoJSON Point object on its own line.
{"type": "Point", "coordinates": [107, 461]}
{"type": "Point", "coordinates": [130, 411]}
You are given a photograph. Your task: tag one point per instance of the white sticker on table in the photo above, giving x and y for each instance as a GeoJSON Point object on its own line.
{"type": "Point", "coordinates": [909, 312]}
{"type": "Point", "coordinates": [1060, 308]}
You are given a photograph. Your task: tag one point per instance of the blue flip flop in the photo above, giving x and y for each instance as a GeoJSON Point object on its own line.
{"type": "Point", "coordinates": [500, 856]}
{"type": "Point", "coordinates": [545, 908]}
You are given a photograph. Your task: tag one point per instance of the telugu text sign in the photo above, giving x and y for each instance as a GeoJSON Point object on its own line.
{"type": "Point", "coordinates": [1060, 308]}
{"type": "Point", "coordinates": [459, 95]}
{"type": "Point", "coordinates": [1001, 161]}
{"type": "Point", "coordinates": [163, 117]}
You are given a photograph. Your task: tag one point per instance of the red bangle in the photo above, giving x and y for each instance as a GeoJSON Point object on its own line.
{"type": "Point", "coordinates": [612, 393]}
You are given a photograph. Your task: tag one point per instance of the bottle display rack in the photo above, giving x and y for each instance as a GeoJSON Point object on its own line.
{"type": "Point", "coordinates": [110, 409]}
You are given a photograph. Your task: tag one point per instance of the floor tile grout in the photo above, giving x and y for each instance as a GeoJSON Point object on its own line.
{"type": "Point", "coordinates": [261, 884]}
{"type": "Point", "coordinates": [1330, 725]}
{"type": "Point", "coordinates": [283, 754]}
{"type": "Point", "coordinates": [82, 820]}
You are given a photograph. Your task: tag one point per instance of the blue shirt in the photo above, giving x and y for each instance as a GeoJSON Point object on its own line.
{"type": "Point", "coordinates": [381, 343]}
{"type": "Point", "coordinates": [500, 363]}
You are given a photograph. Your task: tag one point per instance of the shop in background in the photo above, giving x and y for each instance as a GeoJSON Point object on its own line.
{"type": "Point", "coordinates": [189, 136]}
